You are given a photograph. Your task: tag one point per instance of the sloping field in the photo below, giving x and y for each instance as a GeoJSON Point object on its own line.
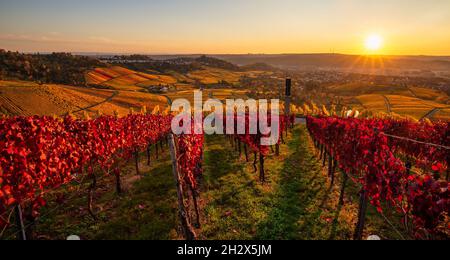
{"type": "Point", "coordinates": [443, 115]}
{"type": "Point", "coordinates": [124, 79]}
{"type": "Point", "coordinates": [212, 76]}
{"type": "Point", "coordinates": [223, 94]}
{"type": "Point", "coordinates": [413, 101]}
{"type": "Point", "coordinates": [414, 107]}
{"type": "Point", "coordinates": [27, 98]}
{"type": "Point", "coordinates": [375, 103]}
{"type": "Point", "coordinates": [356, 89]}
{"type": "Point", "coordinates": [430, 94]}
{"type": "Point", "coordinates": [220, 94]}
{"type": "Point", "coordinates": [182, 78]}
{"type": "Point", "coordinates": [100, 75]}
{"type": "Point", "coordinates": [138, 100]}
{"type": "Point", "coordinates": [156, 80]}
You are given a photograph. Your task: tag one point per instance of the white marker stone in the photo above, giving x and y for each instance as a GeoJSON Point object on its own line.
{"type": "Point", "coordinates": [373, 238]}
{"type": "Point", "coordinates": [73, 238]}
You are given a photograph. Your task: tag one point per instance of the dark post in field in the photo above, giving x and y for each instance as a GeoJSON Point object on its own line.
{"type": "Point", "coordinates": [21, 235]}
{"type": "Point", "coordinates": [287, 103]}
{"type": "Point", "coordinates": [361, 216]}
{"type": "Point", "coordinates": [186, 226]}
{"type": "Point", "coordinates": [344, 184]}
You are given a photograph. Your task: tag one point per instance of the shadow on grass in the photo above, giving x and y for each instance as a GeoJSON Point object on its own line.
{"type": "Point", "coordinates": [231, 193]}
{"type": "Point", "coordinates": [147, 210]}
{"type": "Point", "coordinates": [298, 210]}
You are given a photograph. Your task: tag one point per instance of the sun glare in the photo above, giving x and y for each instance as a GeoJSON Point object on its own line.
{"type": "Point", "coordinates": [374, 42]}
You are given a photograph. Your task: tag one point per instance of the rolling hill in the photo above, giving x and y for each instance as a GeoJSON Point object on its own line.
{"type": "Point", "coordinates": [28, 98]}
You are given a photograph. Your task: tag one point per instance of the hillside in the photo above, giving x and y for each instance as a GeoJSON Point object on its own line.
{"type": "Point", "coordinates": [28, 98]}
{"type": "Point", "coordinates": [34, 79]}
{"type": "Point", "coordinates": [56, 68]}
{"type": "Point", "coordinates": [120, 78]}
{"type": "Point", "coordinates": [340, 61]}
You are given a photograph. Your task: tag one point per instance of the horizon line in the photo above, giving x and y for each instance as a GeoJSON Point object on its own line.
{"type": "Point", "coordinates": [99, 53]}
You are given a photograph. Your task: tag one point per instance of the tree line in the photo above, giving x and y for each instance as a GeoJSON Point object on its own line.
{"type": "Point", "coordinates": [56, 68]}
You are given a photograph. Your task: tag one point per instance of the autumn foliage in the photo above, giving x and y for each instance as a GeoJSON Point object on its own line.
{"type": "Point", "coordinates": [39, 154]}
{"type": "Point", "coordinates": [371, 158]}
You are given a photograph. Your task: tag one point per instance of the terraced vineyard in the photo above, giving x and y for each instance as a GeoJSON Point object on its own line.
{"type": "Point", "coordinates": [28, 98]}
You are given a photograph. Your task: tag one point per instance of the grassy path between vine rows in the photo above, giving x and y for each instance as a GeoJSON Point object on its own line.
{"type": "Point", "coordinates": [295, 203]}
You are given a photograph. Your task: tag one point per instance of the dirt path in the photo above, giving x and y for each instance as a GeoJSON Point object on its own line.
{"type": "Point", "coordinates": [109, 99]}
{"type": "Point", "coordinates": [388, 104]}
{"type": "Point", "coordinates": [430, 114]}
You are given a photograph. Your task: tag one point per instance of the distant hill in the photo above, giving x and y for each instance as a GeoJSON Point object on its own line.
{"type": "Point", "coordinates": [57, 68]}
{"type": "Point", "coordinates": [258, 67]}
{"type": "Point", "coordinates": [341, 61]}
{"type": "Point", "coordinates": [144, 63]}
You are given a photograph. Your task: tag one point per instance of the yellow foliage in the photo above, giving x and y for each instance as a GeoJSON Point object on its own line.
{"type": "Point", "coordinates": [325, 111]}
{"type": "Point", "coordinates": [333, 110]}
{"type": "Point", "coordinates": [86, 115]}
{"type": "Point", "coordinates": [166, 112]}
{"type": "Point", "coordinates": [116, 113]}
{"type": "Point", "coordinates": [156, 110]}
{"type": "Point", "coordinates": [144, 110]}
{"type": "Point", "coordinates": [306, 109]}
{"type": "Point", "coordinates": [427, 121]}
{"type": "Point", "coordinates": [315, 108]}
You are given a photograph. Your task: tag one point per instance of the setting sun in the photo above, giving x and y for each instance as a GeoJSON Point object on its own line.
{"type": "Point", "coordinates": [374, 42]}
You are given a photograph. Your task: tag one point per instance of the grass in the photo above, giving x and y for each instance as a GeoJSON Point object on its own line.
{"type": "Point", "coordinates": [296, 202]}
{"type": "Point", "coordinates": [147, 210]}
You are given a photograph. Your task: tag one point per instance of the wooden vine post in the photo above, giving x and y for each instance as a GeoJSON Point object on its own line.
{"type": "Point", "coordinates": [21, 235]}
{"type": "Point", "coordinates": [361, 215]}
{"type": "Point", "coordinates": [136, 160]}
{"type": "Point", "coordinates": [262, 174]}
{"type": "Point", "coordinates": [186, 226]}
{"type": "Point", "coordinates": [246, 153]}
{"type": "Point", "coordinates": [333, 171]}
{"type": "Point", "coordinates": [448, 168]}
{"type": "Point", "coordinates": [239, 147]}
{"type": "Point", "coordinates": [91, 190]}
{"type": "Point", "coordinates": [149, 154]}
{"type": "Point", "coordinates": [330, 166]}
{"type": "Point", "coordinates": [344, 184]}
{"type": "Point", "coordinates": [287, 102]}
{"type": "Point", "coordinates": [118, 181]}
{"type": "Point", "coordinates": [255, 162]}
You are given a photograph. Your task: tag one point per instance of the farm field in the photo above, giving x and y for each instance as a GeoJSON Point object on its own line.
{"type": "Point", "coordinates": [416, 102]}
{"type": "Point", "coordinates": [213, 76]}
{"type": "Point", "coordinates": [124, 79]}
{"type": "Point", "coordinates": [27, 98]}
{"type": "Point", "coordinates": [356, 89]}
{"type": "Point", "coordinates": [220, 94]}
{"type": "Point", "coordinates": [430, 94]}
{"type": "Point", "coordinates": [443, 114]}
{"type": "Point", "coordinates": [373, 102]}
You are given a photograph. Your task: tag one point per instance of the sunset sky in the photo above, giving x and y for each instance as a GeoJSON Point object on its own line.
{"type": "Point", "coordinates": [225, 26]}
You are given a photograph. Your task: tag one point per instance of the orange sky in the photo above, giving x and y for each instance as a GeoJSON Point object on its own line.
{"type": "Point", "coordinates": [225, 26]}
